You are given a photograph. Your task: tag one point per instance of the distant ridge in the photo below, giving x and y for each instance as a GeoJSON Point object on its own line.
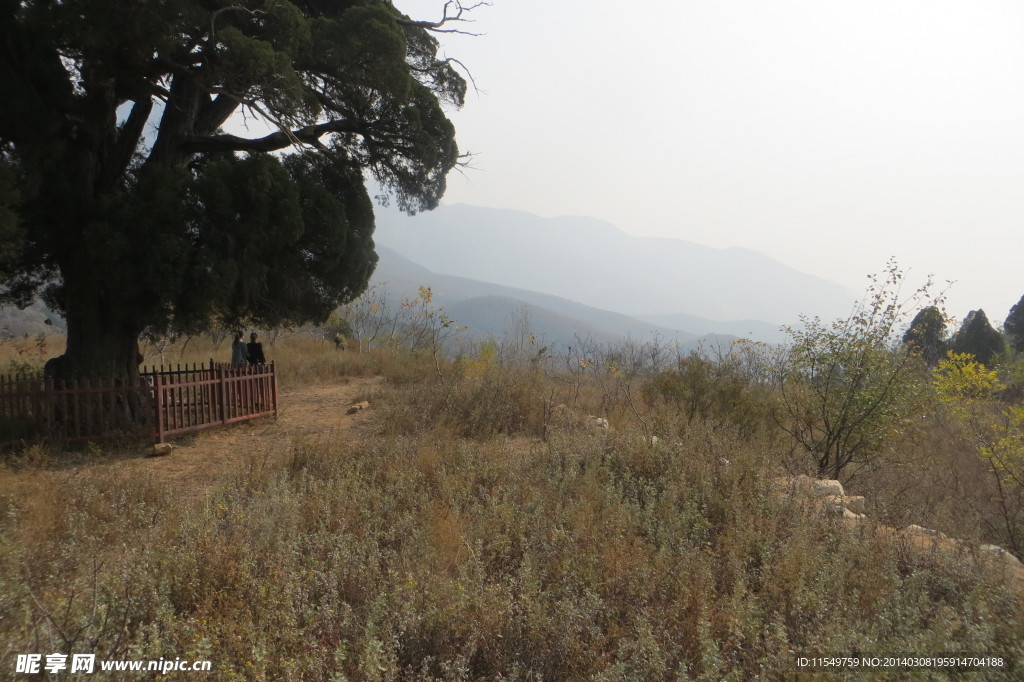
{"type": "Point", "coordinates": [487, 309]}
{"type": "Point", "coordinates": [594, 263]}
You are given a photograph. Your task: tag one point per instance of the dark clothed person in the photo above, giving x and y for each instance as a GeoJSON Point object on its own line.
{"type": "Point", "coordinates": [255, 349]}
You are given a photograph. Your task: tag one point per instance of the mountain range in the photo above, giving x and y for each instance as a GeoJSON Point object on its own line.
{"type": "Point", "coordinates": [592, 272]}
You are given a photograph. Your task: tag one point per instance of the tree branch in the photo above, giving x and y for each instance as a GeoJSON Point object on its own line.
{"type": "Point", "coordinates": [127, 140]}
{"type": "Point", "coordinates": [309, 135]}
{"type": "Point", "coordinates": [438, 26]}
{"type": "Point", "coordinates": [215, 112]}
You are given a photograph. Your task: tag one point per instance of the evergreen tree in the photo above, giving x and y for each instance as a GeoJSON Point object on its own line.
{"type": "Point", "coordinates": [977, 337]}
{"type": "Point", "coordinates": [1014, 325]}
{"type": "Point", "coordinates": [127, 205]}
{"type": "Point", "coordinates": [927, 334]}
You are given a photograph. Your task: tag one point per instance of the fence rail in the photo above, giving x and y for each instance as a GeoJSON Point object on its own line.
{"type": "Point", "coordinates": [163, 401]}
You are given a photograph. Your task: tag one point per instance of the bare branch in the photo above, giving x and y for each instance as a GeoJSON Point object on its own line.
{"type": "Point", "coordinates": [439, 26]}
{"type": "Point", "coordinates": [231, 8]}
{"type": "Point", "coordinates": [448, 60]}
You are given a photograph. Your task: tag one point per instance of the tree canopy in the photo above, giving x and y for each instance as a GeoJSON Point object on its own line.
{"type": "Point", "coordinates": [926, 335]}
{"type": "Point", "coordinates": [131, 199]}
{"type": "Point", "coordinates": [1014, 325]}
{"type": "Point", "coordinates": [977, 337]}
{"type": "Point", "coordinates": [846, 390]}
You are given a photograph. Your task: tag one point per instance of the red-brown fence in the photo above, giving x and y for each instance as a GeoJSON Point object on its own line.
{"type": "Point", "coordinates": [162, 402]}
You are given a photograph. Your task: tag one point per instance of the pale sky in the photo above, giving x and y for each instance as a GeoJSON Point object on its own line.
{"type": "Point", "coordinates": [830, 134]}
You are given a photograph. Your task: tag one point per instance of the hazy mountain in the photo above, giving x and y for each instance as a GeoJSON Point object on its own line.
{"type": "Point", "coordinates": [488, 309]}
{"type": "Point", "coordinates": [595, 263]}
{"type": "Point", "coordinates": [745, 329]}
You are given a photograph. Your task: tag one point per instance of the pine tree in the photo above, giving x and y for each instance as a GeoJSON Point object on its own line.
{"type": "Point", "coordinates": [926, 335]}
{"type": "Point", "coordinates": [1014, 325]}
{"type": "Point", "coordinates": [977, 337]}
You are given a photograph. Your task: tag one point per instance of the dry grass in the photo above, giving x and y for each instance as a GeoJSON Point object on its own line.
{"type": "Point", "coordinates": [454, 543]}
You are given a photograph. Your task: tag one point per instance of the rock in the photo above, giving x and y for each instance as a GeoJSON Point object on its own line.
{"type": "Point", "coordinates": [358, 407]}
{"type": "Point", "coordinates": [998, 552]}
{"type": "Point", "coordinates": [161, 449]}
{"type": "Point", "coordinates": [595, 422]}
{"type": "Point", "coordinates": [856, 503]}
{"type": "Point", "coordinates": [825, 488]}
{"type": "Point", "coordinates": [914, 529]}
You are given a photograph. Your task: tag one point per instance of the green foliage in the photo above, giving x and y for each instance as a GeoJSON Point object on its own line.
{"type": "Point", "coordinates": [713, 394]}
{"type": "Point", "coordinates": [961, 380]}
{"type": "Point", "coordinates": [1014, 325]}
{"type": "Point", "coordinates": [977, 337]}
{"type": "Point", "coordinates": [188, 224]}
{"type": "Point", "coordinates": [1011, 372]}
{"type": "Point", "coordinates": [847, 391]}
{"type": "Point", "coordinates": [927, 335]}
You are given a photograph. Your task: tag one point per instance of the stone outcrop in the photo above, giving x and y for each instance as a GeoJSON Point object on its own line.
{"type": "Point", "coordinates": [825, 495]}
{"type": "Point", "coordinates": [829, 497]}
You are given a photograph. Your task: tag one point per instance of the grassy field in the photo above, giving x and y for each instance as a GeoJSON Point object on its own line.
{"type": "Point", "coordinates": [479, 533]}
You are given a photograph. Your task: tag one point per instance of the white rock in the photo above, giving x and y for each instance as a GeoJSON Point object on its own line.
{"type": "Point", "coordinates": [914, 529]}
{"type": "Point", "coordinates": [824, 488]}
{"type": "Point", "coordinates": [997, 551]}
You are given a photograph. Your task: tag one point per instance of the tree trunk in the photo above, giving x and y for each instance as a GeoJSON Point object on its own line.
{"type": "Point", "coordinates": [103, 342]}
{"type": "Point", "coordinates": [102, 349]}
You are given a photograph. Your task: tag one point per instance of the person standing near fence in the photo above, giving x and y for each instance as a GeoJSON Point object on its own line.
{"type": "Point", "coordinates": [255, 349]}
{"type": "Point", "coordinates": [239, 351]}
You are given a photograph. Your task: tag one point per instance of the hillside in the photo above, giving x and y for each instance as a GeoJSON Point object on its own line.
{"type": "Point", "coordinates": [594, 263]}
{"type": "Point", "coordinates": [488, 309]}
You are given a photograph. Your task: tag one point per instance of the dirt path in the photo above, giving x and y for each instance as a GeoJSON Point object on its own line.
{"type": "Point", "coordinates": [316, 412]}
{"type": "Point", "coordinates": [199, 460]}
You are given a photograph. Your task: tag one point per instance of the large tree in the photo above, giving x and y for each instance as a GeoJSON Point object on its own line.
{"type": "Point", "coordinates": [133, 195]}
{"type": "Point", "coordinates": [978, 338]}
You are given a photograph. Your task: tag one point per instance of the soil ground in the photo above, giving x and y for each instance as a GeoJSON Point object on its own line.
{"type": "Point", "coordinates": [198, 460]}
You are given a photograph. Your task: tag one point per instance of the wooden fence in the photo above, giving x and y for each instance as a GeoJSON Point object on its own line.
{"type": "Point", "coordinates": [164, 401]}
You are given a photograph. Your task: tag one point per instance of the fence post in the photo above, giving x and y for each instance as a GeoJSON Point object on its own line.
{"type": "Point", "coordinates": [159, 394]}
{"type": "Point", "coordinates": [273, 373]}
{"type": "Point", "coordinates": [223, 394]}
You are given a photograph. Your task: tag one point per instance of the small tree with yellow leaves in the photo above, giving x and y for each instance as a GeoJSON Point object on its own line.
{"type": "Point", "coordinates": [970, 391]}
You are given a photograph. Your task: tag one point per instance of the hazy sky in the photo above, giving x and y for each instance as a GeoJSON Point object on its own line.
{"type": "Point", "coordinates": [830, 134]}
